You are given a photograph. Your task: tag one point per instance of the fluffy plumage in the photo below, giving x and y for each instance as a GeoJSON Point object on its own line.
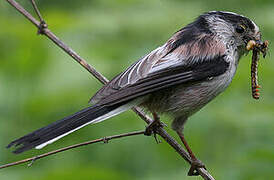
{"type": "Point", "coordinates": [196, 64]}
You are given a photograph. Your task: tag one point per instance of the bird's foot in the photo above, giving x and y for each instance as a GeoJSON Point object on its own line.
{"type": "Point", "coordinates": [153, 126]}
{"type": "Point", "coordinates": [195, 164]}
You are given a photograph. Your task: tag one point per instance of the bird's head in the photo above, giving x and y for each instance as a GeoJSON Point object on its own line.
{"type": "Point", "coordinates": [233, 28]}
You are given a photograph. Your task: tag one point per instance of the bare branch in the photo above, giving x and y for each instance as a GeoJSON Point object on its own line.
{"type": "Point", "coordinates": [58, 42]}
{"type": "Point", "coordinates": [37, 10]}
{"type": "Point", "coordinates": [105, 140]}
{"type": "Point", "coordinates": [170, 140]}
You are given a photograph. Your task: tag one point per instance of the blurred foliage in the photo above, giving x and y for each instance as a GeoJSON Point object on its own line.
{"type": "Point", "coordinates": [39, 84]}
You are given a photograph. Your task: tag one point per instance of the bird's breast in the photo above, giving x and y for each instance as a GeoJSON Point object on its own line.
{"type": "Point", "coordinates": [191, 98]}
{"type": "Point", "coordinates": [186, 99]}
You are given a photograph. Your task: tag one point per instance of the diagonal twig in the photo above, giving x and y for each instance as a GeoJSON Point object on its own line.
{"type": "Point", "coordinates": [58, 42]}
{"type": "Point", "coordinates": [45, 31]}
{"type": "Point", "coordinates": [37, 10]}
{"type": "Point", "coordinates": [43, 24]}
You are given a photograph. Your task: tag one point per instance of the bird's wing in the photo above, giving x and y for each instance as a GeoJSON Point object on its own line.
{"type": "Point", "coordinates": [176, 62]}
{"type": "Point", "coordinates": [166, 78]}
{"type": "Point", "coordinates": [135, 72]}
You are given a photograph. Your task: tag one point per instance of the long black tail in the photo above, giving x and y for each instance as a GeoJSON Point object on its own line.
{"type": "Point", "coordinates": [46, 135]}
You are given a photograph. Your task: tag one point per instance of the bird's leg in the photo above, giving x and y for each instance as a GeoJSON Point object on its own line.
{"type": "Point", "coordinates": [195, 163]}
{"type": "Point", "coordinates": [152, 127]}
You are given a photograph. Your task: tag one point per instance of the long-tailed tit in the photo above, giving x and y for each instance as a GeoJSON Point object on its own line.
{"type": "Point", "coordinates": [178, 78]}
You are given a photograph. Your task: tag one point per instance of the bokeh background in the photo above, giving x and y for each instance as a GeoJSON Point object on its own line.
{"type": "Point", "coordinates": [39, 83]}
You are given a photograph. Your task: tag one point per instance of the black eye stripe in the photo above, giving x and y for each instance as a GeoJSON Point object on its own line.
{"type": "Point", "coordinates": [235, 19]}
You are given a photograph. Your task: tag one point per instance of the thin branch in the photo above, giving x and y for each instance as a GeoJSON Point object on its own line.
{"type": "Point", "coordinates": [105, 140]}
{"type": "Point", "coordinates": [43, 25]}
{"type": "Point", "coordinates": [37, 10]}
{"type": "Point", "coordinates": [170, 140]}
{"type": "Point", "coordinates": [58, 42]}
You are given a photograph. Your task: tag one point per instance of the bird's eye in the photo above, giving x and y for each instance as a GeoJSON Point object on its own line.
{"type": "Point", "coordinates": [240, 29]}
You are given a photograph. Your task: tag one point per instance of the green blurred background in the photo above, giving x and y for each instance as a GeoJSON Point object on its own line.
{"type": "Point", "coordinates": [39, 83]}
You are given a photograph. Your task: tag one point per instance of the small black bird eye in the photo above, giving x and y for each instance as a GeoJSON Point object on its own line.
{"type": "Point", "coordinates": [240, 29]}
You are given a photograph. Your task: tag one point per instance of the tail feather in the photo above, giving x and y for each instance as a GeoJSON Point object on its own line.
{"type": "Point", "coordinates": [47, 135]}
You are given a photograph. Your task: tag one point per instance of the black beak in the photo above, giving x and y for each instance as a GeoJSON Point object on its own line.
{"type": "Point", "coordinates": [260, 43]}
